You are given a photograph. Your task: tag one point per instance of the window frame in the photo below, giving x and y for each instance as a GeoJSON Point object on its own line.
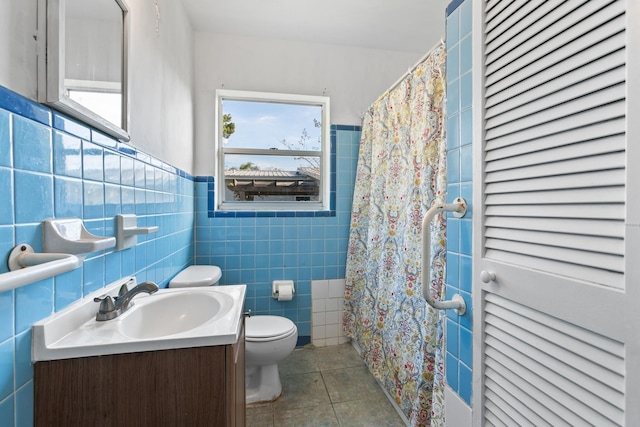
{"type": "Point", "coordinates": [323, 204]}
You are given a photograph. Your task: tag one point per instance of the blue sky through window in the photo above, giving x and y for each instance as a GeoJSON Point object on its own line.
{"type": "Point", "coordinates": [265, 125]}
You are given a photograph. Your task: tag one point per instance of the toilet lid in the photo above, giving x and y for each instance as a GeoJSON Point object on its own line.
{"type": "Point", "coordinates": [196, 275]}
{"type": "Point", "coordinates": [268, 326]}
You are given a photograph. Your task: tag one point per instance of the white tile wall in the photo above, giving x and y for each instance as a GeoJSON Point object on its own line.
{"type": "Point", "coordinates": [327, 304]}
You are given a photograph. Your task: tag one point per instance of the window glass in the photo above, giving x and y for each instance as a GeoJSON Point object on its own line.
{"type": "Point", "coordinates": [273, 125]}
{"type": "Point", "coordinates": [272, 151]}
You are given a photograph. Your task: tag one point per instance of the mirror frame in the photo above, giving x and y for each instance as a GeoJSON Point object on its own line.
{"type": "Point", "coordinates": [51, 68]}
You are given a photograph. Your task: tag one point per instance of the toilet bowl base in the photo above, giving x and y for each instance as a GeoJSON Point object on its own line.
{"type": "Point", "coordinates": [262, 383]}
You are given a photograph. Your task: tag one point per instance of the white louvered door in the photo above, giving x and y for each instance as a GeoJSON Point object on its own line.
{"type": "Point", "coordinates": [553, 342]}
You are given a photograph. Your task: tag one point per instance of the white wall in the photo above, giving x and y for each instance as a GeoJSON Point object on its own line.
{"type": "Point", "coordinates": [353, 77]}
{"type": "Point", "coordinates": [161, 82]}
{"type": "Point", "coordinates": [160, 72]}
{"type": "Point", "coordinates": [18, 46]}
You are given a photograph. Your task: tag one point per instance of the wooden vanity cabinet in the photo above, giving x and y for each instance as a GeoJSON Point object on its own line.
{"type": "Point", "coordinates": [198, 386]}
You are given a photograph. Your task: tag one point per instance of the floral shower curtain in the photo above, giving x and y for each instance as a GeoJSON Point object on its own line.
{"type": "Point", "coordinates": [401, 172]}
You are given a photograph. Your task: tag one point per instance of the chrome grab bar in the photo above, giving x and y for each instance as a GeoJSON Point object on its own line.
{"type": "Point", "coordinates": [459, 209]}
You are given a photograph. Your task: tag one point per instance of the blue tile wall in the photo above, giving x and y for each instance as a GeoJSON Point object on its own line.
{"type": "Point", "coordinates": [53, 166]}
{"type": "Point", "coordinates": [458, 361]}
{"type": "Point", "coordinates": [262, 247]}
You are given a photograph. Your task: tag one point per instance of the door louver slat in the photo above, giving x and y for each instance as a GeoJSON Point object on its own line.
{"type": "Point", "coordinates": [587, 243]}
{"type": "Point", "coordinates": [604, 145]}
{"type": "Point", "coordinates": [613, 229]}
{"type": "Point", "coordinates": [501, 392]}
{"type": "Point", "coordinates": [559, 197]}
{"type": "Point", "coordinates": [598, 179]}
{"type": "Point", "coordinates": [558, 101]}
{"type": "Point", "coordinates": [584, 105]}
{"type": "Point", "coordinates": [540, 359]}
{"type": "Point", "coordinates": [604, 211]}
{"type": "Point", "coordinates": [566, 255]}
{"type": "Point", "coordinates": [511, 54]}
{"type": "Point", "coordinates": [602, 116]}
{"type": "Point", "coordinates": [514, 17]}
{"type": "Point", "coordinates": [491, 4]}
{"type": "Point", "coordinates": [600, 58]}
{"type": "Point", "coordinates": [558, 41]}
{"type": "Point", "coordinates": [541, 328]}
{"type": "Point", "coordinates": [608, 138]}
{"type": "Point", "coordinates": [604, 161]}
{"type": "Point", "coordinates": [537, 389]}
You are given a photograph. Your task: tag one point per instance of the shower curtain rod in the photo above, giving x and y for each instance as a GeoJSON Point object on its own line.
{"type": "Point", "coordinates": [411, 69]}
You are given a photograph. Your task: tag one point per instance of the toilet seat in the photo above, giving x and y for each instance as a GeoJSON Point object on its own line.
{"type": "Point", "coordinates": [268, 328]}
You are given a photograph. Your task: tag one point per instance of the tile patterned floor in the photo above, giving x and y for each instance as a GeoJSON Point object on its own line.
{"type": "Point", "coordinates": [326, 386]}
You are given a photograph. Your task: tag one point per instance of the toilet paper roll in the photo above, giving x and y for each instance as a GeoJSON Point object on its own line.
{"type": "Point", "coordinates": [285, 292]}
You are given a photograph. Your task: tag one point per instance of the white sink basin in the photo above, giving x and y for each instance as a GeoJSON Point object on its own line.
{"type": "Point", "coordinates": [167, 319]}
{"type": "Point", "coordinates": [170, 313]}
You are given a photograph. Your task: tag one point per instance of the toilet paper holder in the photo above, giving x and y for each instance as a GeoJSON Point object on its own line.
{"type": "Point", "coordinates": [275, 291]}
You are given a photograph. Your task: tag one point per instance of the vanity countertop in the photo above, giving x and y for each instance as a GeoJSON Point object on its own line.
{"type": "Point", "coordinates": [74, 332]}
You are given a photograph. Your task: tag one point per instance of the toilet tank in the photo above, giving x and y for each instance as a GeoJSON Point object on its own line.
{"type": "Point", "coordinates": [197, 275]}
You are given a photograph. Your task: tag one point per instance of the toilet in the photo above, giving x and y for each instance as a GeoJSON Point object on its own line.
{"type": "Point", "coordinates": [268, 339]}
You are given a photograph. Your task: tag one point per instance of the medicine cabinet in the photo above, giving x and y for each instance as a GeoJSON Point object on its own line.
{"type": "Point", "coordinates": [82, 61]}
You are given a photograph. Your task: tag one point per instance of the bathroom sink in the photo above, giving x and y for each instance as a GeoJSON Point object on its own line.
{"type": "Point", "coordinates": [168, 319]}
{"type": "Point", "coordinates": [168, 313]}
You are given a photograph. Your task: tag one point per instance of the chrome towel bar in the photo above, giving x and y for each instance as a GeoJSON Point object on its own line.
{"type": "Point", "coordinates": [459, 209]}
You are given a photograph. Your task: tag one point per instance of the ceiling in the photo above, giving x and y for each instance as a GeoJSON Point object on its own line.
{"type": "Point", "coordinates": [399, 25]}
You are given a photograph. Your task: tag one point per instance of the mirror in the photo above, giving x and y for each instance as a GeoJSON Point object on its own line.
{"type": "Point", "coordinates": [82, 61]}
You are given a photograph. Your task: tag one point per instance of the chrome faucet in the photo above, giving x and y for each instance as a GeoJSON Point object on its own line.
{"type": "Point", "coordinates": [110, 308]}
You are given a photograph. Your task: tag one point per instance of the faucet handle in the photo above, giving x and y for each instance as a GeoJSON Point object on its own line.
{"type": "Point", "coordinates": [103, 297]}
{"type": "Point", "coordinates": [123, 290]}
{"type": "Point", "coordinates": [107, 309]}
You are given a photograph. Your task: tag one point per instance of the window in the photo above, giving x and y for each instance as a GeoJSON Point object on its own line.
{"type": "Point", "coordinates": [272, 151]}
